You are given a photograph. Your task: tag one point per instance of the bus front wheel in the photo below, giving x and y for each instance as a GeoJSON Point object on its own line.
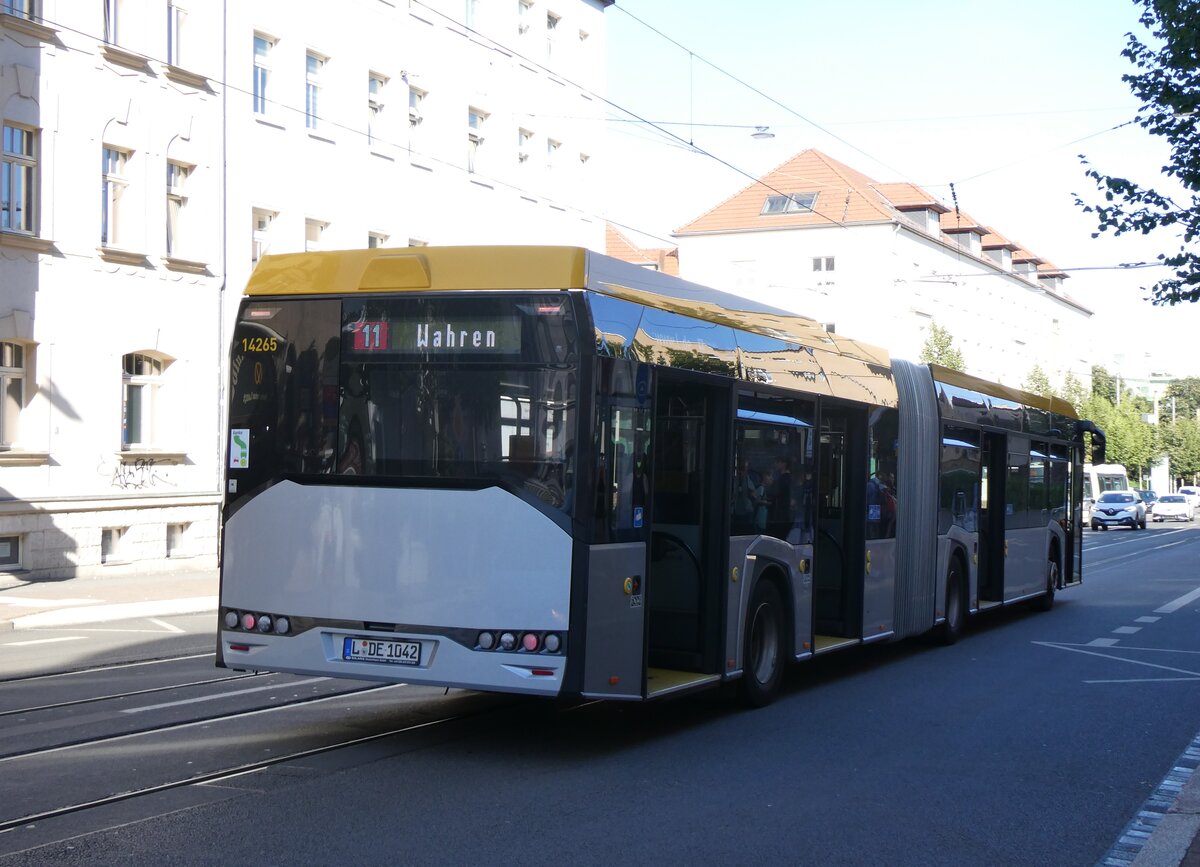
{"type": "Point", "coordinates": [762, 651]}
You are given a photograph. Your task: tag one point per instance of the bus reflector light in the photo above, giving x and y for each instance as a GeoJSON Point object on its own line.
{"type": "Point", "coordinates": [244, 648]}
{"type": "Point", "coordinates": [552, 642]}
{"type": "Point", "coordinates": [486, 640]}
{"type": "Point", "coordinates": [248, 621]}
{"type": "Point", "coordinates": [264, 623]}
{"type": "Point", "coordinates": [282, 625]}
{"type": "Point", "coordinates": [542, 672]}
{"type": "Point", "coordinates": [231, 620]}
{"type": "Point", "coordinates": [530, 641]}
{"type": "Point", "coordinates": [508, 641]}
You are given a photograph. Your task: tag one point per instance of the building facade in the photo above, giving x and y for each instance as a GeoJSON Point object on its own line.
{"type": "Point", "coordinates": [883, 262]}
{"type": "Point", "coordinates": [216, 133]}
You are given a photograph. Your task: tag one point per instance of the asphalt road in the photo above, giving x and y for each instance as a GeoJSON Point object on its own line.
{"type": "Point", "coordinates": [1033, 741]}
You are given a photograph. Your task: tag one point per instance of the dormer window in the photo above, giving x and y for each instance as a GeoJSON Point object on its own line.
{"type": "Point", "coordinates": [795, 203]}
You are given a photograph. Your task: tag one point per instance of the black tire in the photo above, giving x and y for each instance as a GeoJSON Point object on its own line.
{"type": "Point", "coordinates": [1053, 570]}
{"type": "Point", "coordinates": [951, 629]}
{"type": "Point", "coordinates": [763, 652]}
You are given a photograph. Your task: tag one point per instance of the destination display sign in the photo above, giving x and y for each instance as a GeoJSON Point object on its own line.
{"type": "Point", "coordinates": [457, 335]}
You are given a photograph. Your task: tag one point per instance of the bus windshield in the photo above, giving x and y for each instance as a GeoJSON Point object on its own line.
{"type": "Point", "coordinates": [436, 389]}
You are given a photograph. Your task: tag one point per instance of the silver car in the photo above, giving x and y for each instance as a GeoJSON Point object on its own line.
{"type": "Point", "coordinates": [1119, 509]}
{"type": "Point", "coordinates": [1174, 507]}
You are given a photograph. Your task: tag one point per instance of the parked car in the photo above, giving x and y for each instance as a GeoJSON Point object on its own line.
{"type": "Point", "coordinates": [1174, 507]}
{"type": "Point", "coordinates": [1149, 498]}
{"type": "Point", "coordinates": [1119, 509]}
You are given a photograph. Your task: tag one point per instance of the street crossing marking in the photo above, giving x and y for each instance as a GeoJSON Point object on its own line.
{"type": "Point", "coordinates": [1185, 599]}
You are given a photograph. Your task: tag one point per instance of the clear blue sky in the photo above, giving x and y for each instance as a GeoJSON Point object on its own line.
{"type": "Point", "coordinates": [997, 99]}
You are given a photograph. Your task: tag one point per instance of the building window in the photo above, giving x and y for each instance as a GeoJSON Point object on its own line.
{"type": "Point", "coordinates": [312, 88]}
{"type": "Point", "coordinates": [110, 544]}
{"type": "Point", "coordinates": [20, 8]}
{"type": "Point", "coordinates": [260, 233]}
{"type": "Point", "coordinates": [376, 239]}
{"type": "Point", "coordinates": [552, 149]}
{"type": "Point", "coordinates": [417, 242]}
{"type": "Point", "coordinates": [469, 10]}
{"type": "Point", "coordinates": [822, 263]}
{"type": "Point", "coordinates": [375, 85]}
{"type": "Point", "coordinates": [313, 230]}
{"type": "Point", "coordinates": [177, 540]}
{"type": "Point", "coordinates": [175, 21]}
{"type": "Point", "coordinates": [475, 121]}
{"type": "Point", "coordinates": [524, 15]}
{"type": "Point", "coordinates": [112, 188]}
{"type": "Point", "coordinates": [12, 391]}
{"type": "Point", "coordinates": [524, 142]}
{"type": "Point", "coordinates": [10, 552]}
{"type": "Point", "coordinates": [18, 172]}
{"type": "Point", "coordinates": [262, 70]}
{"type": "Point", "coordinates": [415, 97]}
{"type": "Point", "coordinates": [796, 203]}
{"type": "Point", "coordinates": [141, 378]}
{"type": "Point", "coordinates": [177, 175]}
{"type": "Point", "coordinates": [112, 15]}
{"type": "Point", "coordinates": [551, 26]}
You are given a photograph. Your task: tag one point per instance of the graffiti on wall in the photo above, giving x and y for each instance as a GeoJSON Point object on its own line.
{"type": "Point", "coordinates": [135, 476]}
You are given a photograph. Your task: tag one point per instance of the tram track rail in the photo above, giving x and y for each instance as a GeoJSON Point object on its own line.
{"type": "Point", "coordinates": [130, 694]}
{"type": "Point", "coordinates": [92, 669]}
{"type": "Point", "coordinates": [215, 776]}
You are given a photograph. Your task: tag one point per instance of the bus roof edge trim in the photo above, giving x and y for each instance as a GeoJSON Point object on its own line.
{"type": "Point", "coordinates": [974, 383]}
{"type": "Point", "coordinates": [402, 271]}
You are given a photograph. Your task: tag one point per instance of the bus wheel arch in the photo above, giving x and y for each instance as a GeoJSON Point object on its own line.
{"type": "Point", "coordinates": [764, 643]}
{"type": "Point", "coordinates": [951, 629]}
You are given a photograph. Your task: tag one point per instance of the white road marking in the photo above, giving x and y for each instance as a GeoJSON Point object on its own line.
{"type": "Point", "coordinates": [1185, 599]}
{"type": "Point", "coordinates": [169, 627]}
{"type": "Point", "coordinates": [1127, 630]}
{"type": "Point", "coordinates": [1148, 620]}
{"type": "Point", "coordinates": [1140, 552]}
{"type": "Point", "coordinates": [277, 687]}
{"type": "Point", "coordinates": [1103, 642]}
{"type": "Point", "coordinates": [39, 602]}
{"type": "Point", "coordinates": [43, 641]}
{"type": "Point", "coordinates": [1074, 649]}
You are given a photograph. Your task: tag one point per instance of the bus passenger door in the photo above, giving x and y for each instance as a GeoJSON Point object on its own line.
{"type": "Point", "coordinates": [992, 507]}
{"type": "Point", "coordinates": [688, 542]}
{"type": "Point", "coordinates": [838, 557]}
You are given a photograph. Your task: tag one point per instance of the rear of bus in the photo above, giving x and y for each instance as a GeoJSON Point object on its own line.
{"type": "Point", "coordinates": [400, 487]}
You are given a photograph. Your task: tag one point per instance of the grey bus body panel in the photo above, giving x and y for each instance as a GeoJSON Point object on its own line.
{"type": "Point", "coordinates": [616, 621]}
{"type": "Point", "coordinates": [919, 586]}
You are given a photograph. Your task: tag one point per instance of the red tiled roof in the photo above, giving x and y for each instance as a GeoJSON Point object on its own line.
{"type": "Point", "coordinates": [908, 197]}
{"type": "Point", "coordinates": [993, 240]}
{"type": "Point", "coordinates": [843, 196]}
{"type": "Point", "coordinates": [665, 259]}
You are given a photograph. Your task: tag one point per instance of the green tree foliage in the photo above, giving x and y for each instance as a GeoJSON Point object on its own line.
{"type": "Point", "coordinates": [1131, 441]}
{"type": "Point", "coordinates": [1103, 385]}
{"type": "Point", "coordinates": [1181, 439]}
{"type": "Point", "coordinates": [1167, 82]}
{"type": "Point", "coordinates": [1037, 382]}
{"type": "Point", "coordinates": [1186, 396]}
{"type": "Point", "coordinates": [939, 349]}
{"type": "Point", "coordinates": [1072, 390]}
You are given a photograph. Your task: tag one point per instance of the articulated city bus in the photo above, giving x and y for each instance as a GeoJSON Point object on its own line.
{"type": "Point", "coordinates": [541, 470]}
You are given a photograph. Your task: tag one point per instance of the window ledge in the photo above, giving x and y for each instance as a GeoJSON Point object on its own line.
{"type": "Point", "coordinates": [158, 456]}
{"type": "Point", "coordinates": [21, 24]}
{"type": "Point", "coordinates": [124, 57]}
{"type": "Point", "coordinates": [26, 242]}
{"type": "Point", "coordinates": [22, 458]}
{"type": "Point", "coordinates": [187, 266]}
{"type": "Point", "coordinates": [182, 76]}
{"type": "Point", "coordinates": [122, 257]}
{"type": "Point", "coordinates": [316, 136]}
{"type": "Point", "coordinates": [265, 122]}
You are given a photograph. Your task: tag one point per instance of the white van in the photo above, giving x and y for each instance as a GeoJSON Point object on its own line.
{"type": "Point", "coordinates": [1193, 495]}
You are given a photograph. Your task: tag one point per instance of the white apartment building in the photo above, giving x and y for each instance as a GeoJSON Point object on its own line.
{"type": "Point", "coordinates": [216, 132]}
{"type": "Point", "coordinates": [881, 262]}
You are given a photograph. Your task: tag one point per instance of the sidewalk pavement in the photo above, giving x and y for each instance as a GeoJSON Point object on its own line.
{"type": "Point", "coordinates": [1173, 842]}
{"type": "Point", "coordinates": [75, 601]}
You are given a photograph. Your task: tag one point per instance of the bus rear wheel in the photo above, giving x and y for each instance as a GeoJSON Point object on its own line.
{"type": "Point", "coordinates": [951, 628]}
{"type": "Point", "coordinates": [762, 651]}
{"type": "Point", "coordinates": [1046, 601]}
